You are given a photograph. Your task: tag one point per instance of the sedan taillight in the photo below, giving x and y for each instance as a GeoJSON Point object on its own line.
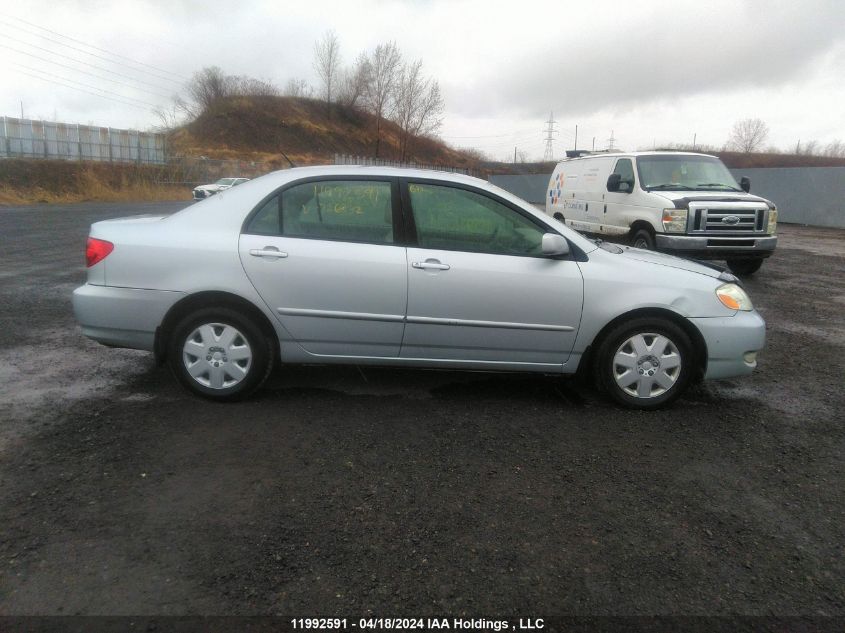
{"type": "Point", "coordinates": [97, 251]}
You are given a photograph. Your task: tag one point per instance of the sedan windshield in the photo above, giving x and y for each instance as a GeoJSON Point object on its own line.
{"type": "Point", "coordinates": [685, 172]}
{"type": "Point", "coordinates": [225, 181]}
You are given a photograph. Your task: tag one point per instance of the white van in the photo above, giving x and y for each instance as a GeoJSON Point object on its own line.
{"type": "Point", "coordinates": [683, 203]}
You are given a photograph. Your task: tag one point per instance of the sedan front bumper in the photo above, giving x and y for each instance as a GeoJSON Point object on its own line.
{"type": "Point", "coordinates": [729, 340]}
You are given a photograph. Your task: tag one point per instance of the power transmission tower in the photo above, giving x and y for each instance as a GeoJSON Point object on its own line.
{"type": "Point", "coordinates": [610, 141]}
{"type": "Point", "coordinates": [550, 136]}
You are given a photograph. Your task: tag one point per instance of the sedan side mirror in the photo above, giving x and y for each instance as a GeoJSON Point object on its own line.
{"type": "Point", "coordinates": [745, 184]}
{"type": "Point", "coordinates": [554, 244]}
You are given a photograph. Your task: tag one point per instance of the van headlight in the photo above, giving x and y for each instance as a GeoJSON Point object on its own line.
{"type": "Point", "coordinates": [773, 221]}
{"type": "Point", "coordinates": [675, 220]}
{"type": "Point", "coordinates": [734, 298]}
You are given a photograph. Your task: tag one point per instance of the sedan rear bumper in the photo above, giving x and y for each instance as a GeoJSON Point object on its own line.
{"type": "Point", "coordinates": [122, 317]}
{"type": "Point", "coordinates": [732, 343]}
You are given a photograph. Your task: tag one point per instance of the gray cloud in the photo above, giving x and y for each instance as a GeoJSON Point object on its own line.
{"type": "Point", "coordinates": [658, 54]}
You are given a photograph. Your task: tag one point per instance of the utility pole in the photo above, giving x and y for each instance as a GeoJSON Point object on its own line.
{"type": "Point", "coordinates": [594, 143]}
{"type": "Point", "coordinates": [514, 156]}
{"type": "Point", "coordinates": [549, 154]}
{"type": "Point", "coordinates": [694, 136]}
{"type": "Point", "coordinates": [576, 137]}
{"type": "Point", "coordinates": [22, 108]}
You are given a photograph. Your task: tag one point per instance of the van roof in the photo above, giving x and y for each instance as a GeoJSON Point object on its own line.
{"type": "Point", "coordinates": [617, 154]}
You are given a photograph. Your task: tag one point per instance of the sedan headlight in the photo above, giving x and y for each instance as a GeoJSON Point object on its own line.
{"type": "Point", "coordinates": [773, 221]}
{"type": "Point", "coordinates": [734, 298]}
{"type": "Point", "coordinates": [674, 220]}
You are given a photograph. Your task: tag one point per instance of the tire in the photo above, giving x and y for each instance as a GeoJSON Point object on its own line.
{"type": "Point", "coordinates": [219, 354]}
{"type": "Point", "coordinates": [631, 347]}
{"type": "Point", "coordinates": [744, 267]}
{"type": "Point", "coordinates": [643, 238]}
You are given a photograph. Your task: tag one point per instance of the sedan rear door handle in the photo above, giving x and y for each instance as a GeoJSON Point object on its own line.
{"type": "Point", "coordinates": [430, 265]}
{"type": "Point", "coordinates": [267, 251]}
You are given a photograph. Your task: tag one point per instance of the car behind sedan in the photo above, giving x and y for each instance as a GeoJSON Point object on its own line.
{"type": "Point", "coordinates": [386, 266]}
{"type": "Point", "coordinates": [206, 191]}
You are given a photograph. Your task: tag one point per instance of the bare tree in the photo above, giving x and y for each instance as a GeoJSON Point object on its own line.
{"type": "Point", "coordinates": [251, 87]}
{"type": "Point", "coordinates": [835, 149]}
{"type": "Point", "coordinates": [327, 63]}
{"type": "Point", "coordinates": [209, 85]}
{"type": "Point", "coordinates": [811, 148]}
{"type": "Point", "coordinates": [418, 105]}
{"type": "Point", "coordinates": [298, 88]}
{"type": "Point", "coordinates": [353, 82]}
{"type": "Point", "coordinates": [748, 135]}
{"type": "Point", "coordinates": [473, 153]}
{"type": "Point", "coordinates": [170, 116]}
{"type": "Point", "coordinates": [385, 63]}
{"type": "Point", "coordinates": [430, 115]}
{"type": "Point", "coordinates": [407, 99]}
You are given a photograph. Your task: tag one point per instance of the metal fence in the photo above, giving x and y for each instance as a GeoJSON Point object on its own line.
{"type": "Point", "coordinates": [803, 195]}
{"type": "Point", "coordinates": [348, 159]}
{"type": "Point", "coordinates": [27, 138]}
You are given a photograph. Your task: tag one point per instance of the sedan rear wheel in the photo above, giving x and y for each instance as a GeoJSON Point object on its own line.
{"type": "Point", "coordinates": [646, 363]}
{"type": "Point", "coordinates": [219, 354]}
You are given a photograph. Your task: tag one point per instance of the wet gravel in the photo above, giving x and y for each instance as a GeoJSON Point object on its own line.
{"type": "Point", "coordinates": [387, 492]}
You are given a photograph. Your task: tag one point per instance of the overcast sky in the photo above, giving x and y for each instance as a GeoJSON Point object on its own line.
{"type": "Point", "coordinates": [649, 72]}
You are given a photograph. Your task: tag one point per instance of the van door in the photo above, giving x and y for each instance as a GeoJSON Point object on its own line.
{"type": "Point", "coordinates": [621, 205]}
{"type": "Point", "coordinates": [594, 175]}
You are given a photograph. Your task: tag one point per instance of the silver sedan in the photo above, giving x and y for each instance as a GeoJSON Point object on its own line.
{"type": "Point", "coordinates": [385, 266]}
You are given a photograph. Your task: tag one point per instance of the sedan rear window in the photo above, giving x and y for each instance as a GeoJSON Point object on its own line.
{"type": "Point", "coordinates": [350, 211]}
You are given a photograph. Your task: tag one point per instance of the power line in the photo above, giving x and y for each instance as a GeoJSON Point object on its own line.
{"type": "Point", "coordinates": [520, 132]}
{"type": "Point", "coordinates": [84, 72]}
{"type": "Point", "coordinates": [79, 61]}
{"type": "Point", "coordinates": [73, 81]}
{"type": "Point", "coordinates": [58, 83]}
{"type": "Point", "coordinates": [181, 78]}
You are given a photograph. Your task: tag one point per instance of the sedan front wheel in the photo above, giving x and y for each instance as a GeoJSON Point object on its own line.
{"type": "Point", "coordinates": [645, 363]}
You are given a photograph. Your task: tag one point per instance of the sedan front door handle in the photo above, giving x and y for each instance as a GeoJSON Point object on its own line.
{"type": "Point", "coordinates": [267, 251]}
{"type": "Point", "coordinates": [430, 265]}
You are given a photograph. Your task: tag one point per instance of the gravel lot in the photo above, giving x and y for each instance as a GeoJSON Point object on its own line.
{"type": "Point", "coordinates": [342, 491]}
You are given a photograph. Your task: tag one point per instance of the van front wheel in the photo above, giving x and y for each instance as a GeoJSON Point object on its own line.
{"type": "Point", "coordinates": [643, 239]}
{"type": "Point", "coordinates": [744, 267]}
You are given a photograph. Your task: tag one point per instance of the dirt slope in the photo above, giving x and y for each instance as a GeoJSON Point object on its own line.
{"type": "Point", "coordinates": [261, 128]}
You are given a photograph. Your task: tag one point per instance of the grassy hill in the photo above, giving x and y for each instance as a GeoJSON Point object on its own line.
{"type": "Point", "coordinates": [261, 128]}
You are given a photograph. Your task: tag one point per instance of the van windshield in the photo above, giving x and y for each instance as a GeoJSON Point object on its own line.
{"type": "Point", "coordinates": [685, 172]}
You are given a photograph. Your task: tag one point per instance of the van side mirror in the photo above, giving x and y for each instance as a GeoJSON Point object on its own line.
{"type": "Point", "coordinates": [615, 183]}
{"type": "Point", "coordinates": [745, 184]}
{"type": "Point", "coordinates": [554, 244]}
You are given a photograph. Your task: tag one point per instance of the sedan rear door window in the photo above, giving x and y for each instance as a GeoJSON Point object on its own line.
{"type": "Point", "coordinates": [352, 211]}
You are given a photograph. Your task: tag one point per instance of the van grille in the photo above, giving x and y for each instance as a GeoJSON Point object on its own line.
{"type": "Point", "coordinates": [729, 220]}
